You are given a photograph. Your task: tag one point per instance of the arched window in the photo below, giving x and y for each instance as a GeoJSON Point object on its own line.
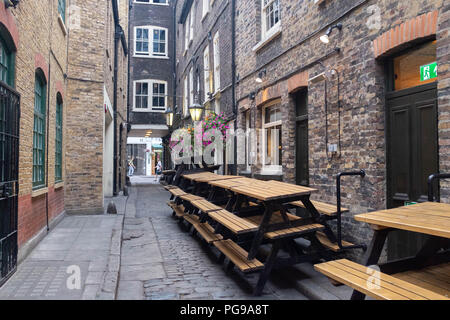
{"type": "Point", "coordinates": [39, 130]}
{"type": "Point", "coordinates": [6, 63]}
{"type": "Point", "coordinates": [58, 138]}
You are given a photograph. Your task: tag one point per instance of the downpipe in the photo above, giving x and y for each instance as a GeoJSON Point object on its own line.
{"type": "Point", "coordinates": [361, 173]}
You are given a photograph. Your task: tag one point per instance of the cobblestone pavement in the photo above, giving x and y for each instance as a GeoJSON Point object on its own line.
{"type": "Point", "coordinates": [160, 260]}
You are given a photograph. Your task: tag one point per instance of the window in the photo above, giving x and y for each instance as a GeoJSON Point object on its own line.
{"type": "Point", "coordinates": [191, 87]}
{"type": "Point", "coordinates": [39, 132]}
{"type": "Point", "coordinates": [191, 23]}
{"type": "Point", "coordinates": [272, 147]}
{"type": "Point", "coordinates": [205, 8]}
{"type": "Point", "coordinates": [150, 42]}
{"type": "Point", "coordinates": [270, 16]}
{"type": "Point", "coordinates": [206, 73]}
{"type": "Point", "coordinates": [185, 97]}
{"type": "Point", "coordinates": [6, 65]}
{"type": "Point", "coordinates": [62, 9]}
{"type": "Point", "coordinates": [58, 139]}
{"type": "Point", "coordinates": [248, 137]}
{"type": "Point", "coordinates": [152, 1]}
{"type": "Point", "coordinates": [216, 62]}
{"type": "Point", "coordinates": [150, 95]}
{"type": "Point", "coordinates": [186, 34]}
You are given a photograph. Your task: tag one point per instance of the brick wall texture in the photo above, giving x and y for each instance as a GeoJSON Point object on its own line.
{"type": "Point", "coordinates": [291, 58]}
{"type": "Point", "coordinates": [44, 42]}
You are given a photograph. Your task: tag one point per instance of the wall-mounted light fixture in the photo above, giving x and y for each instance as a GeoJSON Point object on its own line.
{"type": "Point", "coordinates": [252, 95]}
{"type": "Point", "coordinates": [169, 117]}
{"type": "Point", "coordinates": [11, 3]}
{"type": "Point", "coordinates": [209, 36]}
{"type": "Point", "coordinates": [325, 38]}
{"type": "Point", "coordinates": [261, 74]}
{"type": "Point", "coordinates": [196, 111]}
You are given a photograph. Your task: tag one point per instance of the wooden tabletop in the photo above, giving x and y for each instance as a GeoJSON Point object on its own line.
{"type": "Point", "coordinates": [431, 218]}
{"type": "Point", "coordinates": [271, 190]}
{"type": "Point", "coordinates": [192, 176]}
{"type": "Point", "coordinates": [227, 184]}
{"type": "Point", "coordinates": [216, 177]}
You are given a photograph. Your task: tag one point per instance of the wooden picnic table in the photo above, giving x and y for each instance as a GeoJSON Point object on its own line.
{"type": "Point", "coordinates": [430, 267]}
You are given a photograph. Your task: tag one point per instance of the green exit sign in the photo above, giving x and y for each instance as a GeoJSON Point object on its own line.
{"type": "Point", "coordinates": [428, 71]}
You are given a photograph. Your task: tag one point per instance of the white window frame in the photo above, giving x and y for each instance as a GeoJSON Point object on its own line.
{"type": "Point", "coordinates": [247, 141]}
{"type": "Point", "coordinates": [186, 34]}
{"type": "Point", "coordinates": [205, 8]}
{"type": "Point", "coordinates": [270, 169]}
{"type": "Point", "coordinates": [151, 2]}
{"type": "Point", "coordinates": [150, 107]}
{"type": "Point", "coordinates": [150, 53]}
{"type": "Point", "coordinates": [191, 24]}
{"type": "Point", "coordinates": [267, 33]}
{"type": "Point", "coordinates": [191, 86]}
{"type": "Point", "coordinates": [216, 50]}
{"type": "Point", "coordinates": [206, 73]}
{"type": "Point", "coordinates": [185, 97]}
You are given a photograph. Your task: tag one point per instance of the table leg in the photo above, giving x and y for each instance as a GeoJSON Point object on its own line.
{"type": "Point", "coordinates": [261, 230]}
{"type": "Point", "coordinates": [372, 255]}
{"type": "Point", "coordinates": [268, 266]}
{"type": "Point", "coordinates": [316, 216]}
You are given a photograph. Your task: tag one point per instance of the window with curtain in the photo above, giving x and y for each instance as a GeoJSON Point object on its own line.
{"type": "Point", "coordinates": [272, 146]}
{"type": "Point", "coordinates": [58, 138]}
{"type": "Point", "coordinates": [39, 132]}
{"type": "Point", "coordinates": [216, 62]}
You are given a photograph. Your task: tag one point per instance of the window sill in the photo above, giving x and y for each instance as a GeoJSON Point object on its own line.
{"type": "Point", "coordinates": [59, 185]}
{"type": "Point", "coordinates": [62, 25]}
{"type": "Point", "coordinates": [149, 110]}
{"type": "Point", "coordinates": [150, 57]}
{"type": "Point", "coordinates": [272, 34]}
{"type": "Point", "coordinates": [204, 16]}
{"type": "Point", "coordinates": [147, 3]}
{"type": "Point", "coordinates": [39, 192]}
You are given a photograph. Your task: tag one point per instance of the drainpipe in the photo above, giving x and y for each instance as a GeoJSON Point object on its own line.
{"type": "Point", "coordinates": [116, 53]}
{"type": "Point", "coordinates": [174, 43]}
{"type": "Point", "coordinates": [233, 79]}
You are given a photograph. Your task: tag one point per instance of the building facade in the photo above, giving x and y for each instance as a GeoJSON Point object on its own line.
{"type": "Point", "coordinates": [204, 68]}
{"type": "Point", "coordinates": [54, 71]}
{"type": "Point", "coordinates": [151, 78]}
{"type": "Point", "coordinates": [364, 95]}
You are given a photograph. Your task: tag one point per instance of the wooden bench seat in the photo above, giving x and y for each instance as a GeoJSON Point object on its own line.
{"type": "Point", "coordinates": [232, 222]}
{"type": "Point", "coordinates": [434, 278]}
{"type": "Point", "coordinates": [207, 232]}
{"type": "Point", "coordinates": [330, 245]}
{"type": "Point", "coordinates": [205, 205]}
{"type": "Point", "coordinates": [275, 218]}
{"type": "Point", "coordinates": [177, 192]}
{"type": "Point", "coordinates": [191, 218]}
{"type": "Point", "coordinates": [178, 209]}
{"type": "Point", "coordinates": [363, 280]}
{"type": "Point", "coordinates": [294, 231]}
{"type": "Point", "coordinates": [169, 186]}
{"type": "Point", "coordinates": [322, 207]}
{"type": "Point", "coordinates": [190, 197]}
{"type": "Point", "coordinates": [238, 256]}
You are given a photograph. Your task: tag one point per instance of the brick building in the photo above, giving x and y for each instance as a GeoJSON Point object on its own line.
{"type": "Point", "coordinates": [204, 51]}
{"type": "Point", "coordinates": [366, 97]}
{"type": "Point", "coordinates": [151, 78]}
{"type": "Point", "coordinates": [56, 63]}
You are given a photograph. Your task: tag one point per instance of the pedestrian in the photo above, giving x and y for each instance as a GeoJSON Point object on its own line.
{"type": "Point", "coordinates": [158, 170]}
{"type": "Point", "coordinates": [131, 166]}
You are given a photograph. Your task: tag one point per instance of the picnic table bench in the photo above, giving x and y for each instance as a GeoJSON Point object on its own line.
{"type": "Point", "coordinates": [424, 276]}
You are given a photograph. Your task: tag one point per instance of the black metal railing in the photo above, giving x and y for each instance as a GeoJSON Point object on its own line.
{"type": "Point", "coordinates": [431, 178]}
{"type": "Point", "coordinates": [9, 187]}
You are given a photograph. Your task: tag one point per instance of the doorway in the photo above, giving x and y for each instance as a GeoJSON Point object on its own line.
{"type": "Point", "coordinates": [412, 137]}
{"type": "Point", "coordinates": [301, 137]}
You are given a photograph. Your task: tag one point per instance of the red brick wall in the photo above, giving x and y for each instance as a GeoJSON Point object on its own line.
{"type": "Point", "coordinates": [32, 213]}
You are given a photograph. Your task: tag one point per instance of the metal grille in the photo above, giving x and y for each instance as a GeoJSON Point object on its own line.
{"type": "Point", "coordinates": [9, 187]}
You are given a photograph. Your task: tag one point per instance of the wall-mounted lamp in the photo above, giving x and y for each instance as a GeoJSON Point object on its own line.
{"type": "Point", "coordinates": [169, 117]}
{"type": "Point", "coordinates": [11, 3]}
{"type": "Point", "coordinates": [325, 38]}
{"type": "Point", "coordinates": [209, 36]}
{"type": "Point", "coordinates": [252, 95]}
{"type": "Point", "coordinates": [261, 74]}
